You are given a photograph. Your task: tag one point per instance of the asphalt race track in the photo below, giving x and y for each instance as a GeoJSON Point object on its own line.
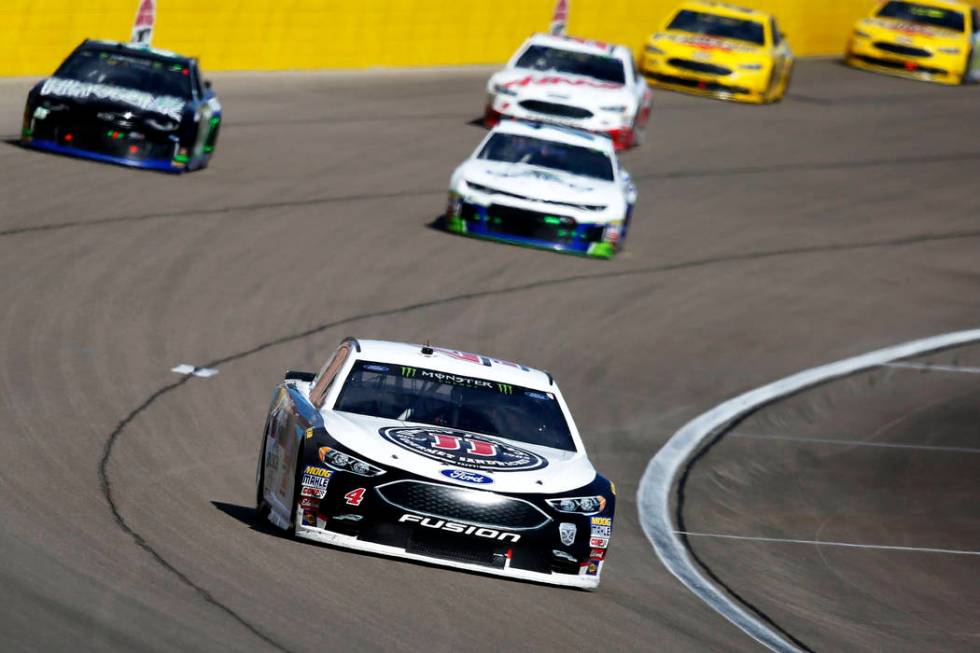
{"type": "Point", "coordinates": [766, 240]}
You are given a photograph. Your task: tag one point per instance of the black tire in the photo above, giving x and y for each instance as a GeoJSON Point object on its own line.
{"type": "Point", "coordinates": [261, 506]}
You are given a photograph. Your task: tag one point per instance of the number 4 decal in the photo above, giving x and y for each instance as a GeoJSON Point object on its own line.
{"type": "Point", "coordinates": [354, 497]}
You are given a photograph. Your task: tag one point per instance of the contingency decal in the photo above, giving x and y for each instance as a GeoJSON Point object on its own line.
{"type": "Point", "coordinates": [166, 105]}
{"type": "Point", "coordinates": [463, 449]}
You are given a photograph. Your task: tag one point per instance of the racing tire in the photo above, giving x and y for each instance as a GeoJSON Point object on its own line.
{"type": "Point", "coordinates": [262, 508]}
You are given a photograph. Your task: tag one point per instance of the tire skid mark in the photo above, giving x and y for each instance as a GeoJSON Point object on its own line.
{"type": "Point", "coordinates": [812, 166]}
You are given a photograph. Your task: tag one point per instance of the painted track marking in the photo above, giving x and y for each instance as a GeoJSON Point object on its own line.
{"type": "Point", "coordinates": [852, 545]}
{"type": "Point", "coordinates": [854, 443]}
{"type": "Point", "coordinates": [662, 472]}
{"type": "Point", "coordinates": [930, 367]}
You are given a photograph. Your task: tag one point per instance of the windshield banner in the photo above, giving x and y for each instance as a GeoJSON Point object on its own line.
{"type": "Point", "coordinates": [166, 105]}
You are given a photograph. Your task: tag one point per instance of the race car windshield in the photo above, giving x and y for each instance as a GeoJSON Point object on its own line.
{"type": "Point", "coordinates": [415, 394]}
{"type": "Point", "coordinates": [128, 70]}
{"type": "Point", "coordinates": [512, 148]}
{"type": "Point", "coordinates": [540, 57]}
{"type": "Point", "coordinates": [723, 27]}
{"type": "Point", "coordinates": [924, 15]}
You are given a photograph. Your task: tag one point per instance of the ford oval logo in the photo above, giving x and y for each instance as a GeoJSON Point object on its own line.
{"type": "Point", "coordinates": [466, 477]}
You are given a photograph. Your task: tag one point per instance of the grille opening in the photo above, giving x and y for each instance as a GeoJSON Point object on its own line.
{"type": "Point", "coordinates": [699, 66]}
{"type": "Point", "coordinates": [459, 505]}
{"type": "Point", "coordinates": [554, 109]}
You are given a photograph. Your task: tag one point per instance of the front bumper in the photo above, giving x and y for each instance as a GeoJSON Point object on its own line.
{"type": "Point", "coordinates": [939, 69]}
{"type": "Point", "coordinates": [83, 137]}
{"type": "Point", "coordinates": [532, 229]}
{"type": "Point", "coordinates": [324, 536]}
{"type": "Point", "coordinates": [623, 135]}
{"type": "Point", "coordinates": [401, 515]}
{"type": "Point", "coordinates": [738, 86]}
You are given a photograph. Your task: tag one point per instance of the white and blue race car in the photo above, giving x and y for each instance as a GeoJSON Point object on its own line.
{"type": "Point", "coordinates": [436, 455]}
{"type": "Point", "coordinates": [543, 186]}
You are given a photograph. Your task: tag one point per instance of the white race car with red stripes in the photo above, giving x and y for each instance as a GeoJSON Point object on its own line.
{"type": "Point", "coordinates": [569, 81]}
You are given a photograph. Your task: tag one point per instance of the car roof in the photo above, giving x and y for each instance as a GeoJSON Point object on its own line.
{"type": "Point", "coordinates": [135, 48]}
{"type": "Point", "coordinates": [559, 133]}
{"type": "Point", "coordinates": [576, 44]}
{"type": "Point", "coordinates": [453, 361]}
{"type": "Point", "coordinates": [724, 9]}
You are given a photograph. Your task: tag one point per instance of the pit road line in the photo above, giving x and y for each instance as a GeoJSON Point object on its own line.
{"type": "Point", "coordinates": [662, 472]}
{"type": "Point", "coordinates": [854, 443]}
{"type": "Point", "coordinates": [852, 545]}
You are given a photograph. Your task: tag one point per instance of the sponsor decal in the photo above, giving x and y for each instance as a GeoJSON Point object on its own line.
{"type": "Point", "coordinates": [597, 554]}
{"type": "Point", "coordinates": [707, 43]}
{"type": "Point", "coordinates": [349, 517]}
{"type": "Point", "coordinates": [309, 480]}
{"type": "Point", "coordinates": [463, 449]}
{"type": "Point", "coordinates": [567, 530]}
{"type": "Point", "coordinates": [601, 531]}
{"type": "Point", "coordinates": [309, 518]}
{"type": "Point", "coordinates": [308, 502]}
{"type": "Point", "coordinates": [599, 542]}
{"type": "Point", "coordinates": [166, 105]}
{"type": "Point", "coordinates": [354, 497]}
{"type": "Point", "coordinates": [602, 521]}
{"type": "Point", "coordinates": [542, 175]}
{"type": "Point", "coordinates": [593, 568]}
{"type": "Point", "coordinates": [318, 471]}
{"type": "Point", "coordinates": [315, 492]}
{"type": "Point", "coordinates": [553, 80]}
{"type": "Point", "coordinates": [454, 379]}
{"type": "Point", "coordinates": [479, 360]}
{"type": "Point", "coordinates": [309, 433]}
{"type": "Point", "coordinates": [463, 529]}
{"type": "Point", "coordinates": [466, 477]}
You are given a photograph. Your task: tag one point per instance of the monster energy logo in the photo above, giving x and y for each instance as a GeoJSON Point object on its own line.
{"type": "Point", "coordinates": [505, 388]}
{"type": "Point", "coordinates": [408, 371]}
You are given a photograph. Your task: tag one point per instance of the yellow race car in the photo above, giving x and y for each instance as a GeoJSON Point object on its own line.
{"type": "Point", "coordinates": [931, 40]}
{"type": "Point", "coordinates": [722, 51]}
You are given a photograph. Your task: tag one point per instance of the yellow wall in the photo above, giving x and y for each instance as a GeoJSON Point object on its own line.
{"type": "Point", "coordinates": [35, 35]}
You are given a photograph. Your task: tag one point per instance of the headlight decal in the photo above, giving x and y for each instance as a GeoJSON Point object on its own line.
{"type": "Point", "coordinates": [343, 462]}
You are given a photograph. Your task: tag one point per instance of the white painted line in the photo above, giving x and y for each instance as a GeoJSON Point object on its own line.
{"type": "Point", "coordinates": [656, 486]}
{"type": "Point", "coordinates": [853, 545]}
{"type": "Point", "coordinates": [934, 368]}
{"type": "Point", "coordinates": [203, 372]}
{"type": "Point", "coordinates": [855, 443]}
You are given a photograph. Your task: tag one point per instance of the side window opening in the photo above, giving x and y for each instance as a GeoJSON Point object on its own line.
{"type": "Point", "coordinates": [327, 374]}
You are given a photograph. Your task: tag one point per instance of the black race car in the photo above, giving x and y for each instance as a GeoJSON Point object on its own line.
{"type": "Point", "coordinates": [436, 455]}
{"type": "Point", "coordinates": [126, 104]}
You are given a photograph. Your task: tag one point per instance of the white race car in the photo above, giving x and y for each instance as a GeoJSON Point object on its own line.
{"type": "Point", "coordinates": [543, 186]}
{"type": "Point", "coordinates": [436, 455]}
{"type": "Point", "coordinates": [586, 84]}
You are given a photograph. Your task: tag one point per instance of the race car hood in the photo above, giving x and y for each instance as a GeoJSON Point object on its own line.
{"type": "Point", "coordinates": [576, 90]}
{"type": "Point", "coordinates": [909, 33]}
{"type": "Point", "coordinates": [104, 96]}
{"type": "Point", "coordinates": [697, 46]}
{"type": "Point", "coordinates": [495, 464]}
{"type": "Point", "coordinates": [545, 184]}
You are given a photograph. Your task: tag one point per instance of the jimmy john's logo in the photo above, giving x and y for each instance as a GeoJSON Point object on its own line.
{"type": "Point", "coordinates": [463, 449]}
{"type": "Point", "coordinates": [462, 529]}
